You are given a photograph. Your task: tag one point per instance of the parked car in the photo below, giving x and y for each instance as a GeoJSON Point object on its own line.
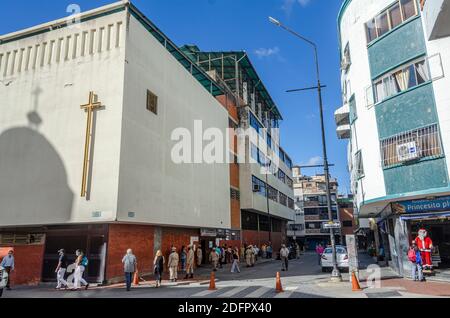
{"type": "Point", "coordinates": [3, 280]}
{"type": "Point", "coordinates": [327, 259]}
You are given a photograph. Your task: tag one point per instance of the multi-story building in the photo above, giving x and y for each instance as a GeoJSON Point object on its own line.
{"type": "Point", "coordinates": [119, 172]}
{"type": "Point", "coordinates": [395, 65]}
{"type": "Point", "coordinates": [311, 200]}
{"type": "Point", "coordinates": [264, 199]}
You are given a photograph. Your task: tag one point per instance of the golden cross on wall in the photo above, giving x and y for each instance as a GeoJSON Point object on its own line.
{"type": "Point", "coordinates": [89, 108]}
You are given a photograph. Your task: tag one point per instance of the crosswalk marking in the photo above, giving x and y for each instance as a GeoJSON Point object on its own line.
{"type": "Point", "coordinates": [258, 293]}
{"type": "Point", "coordinates": [233, 292]}
{"type": "Point", "coordinates": [285, 294]}
{"type": "Point", "coordinates": [204, 293]}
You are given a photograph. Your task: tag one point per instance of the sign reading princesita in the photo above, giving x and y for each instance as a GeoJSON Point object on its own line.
{"type": "Point", "coordinates": [415, 206]}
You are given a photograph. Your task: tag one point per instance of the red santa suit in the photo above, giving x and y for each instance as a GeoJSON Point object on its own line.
{"type": "Point", "coordinates": [425, 245]}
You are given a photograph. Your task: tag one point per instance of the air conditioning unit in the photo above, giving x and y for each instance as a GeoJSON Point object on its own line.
{"type": "Point", "coordinates": [256, 188]}
{"type": "Point", "coordinates": [407, 151]}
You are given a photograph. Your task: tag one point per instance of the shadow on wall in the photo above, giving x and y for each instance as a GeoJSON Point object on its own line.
{"type": "Point", "coordinates": [33, 180]}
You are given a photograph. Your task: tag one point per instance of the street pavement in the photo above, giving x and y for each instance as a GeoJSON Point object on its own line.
{"type": "Point", "coordinates": [303, 280]}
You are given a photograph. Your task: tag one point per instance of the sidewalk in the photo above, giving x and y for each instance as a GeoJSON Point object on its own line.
{"type": "Point", "coordinates": [392, 285]}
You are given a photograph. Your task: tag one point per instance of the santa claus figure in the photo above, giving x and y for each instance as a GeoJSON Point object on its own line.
{"type": "Point", "coordinates": [425, 245]}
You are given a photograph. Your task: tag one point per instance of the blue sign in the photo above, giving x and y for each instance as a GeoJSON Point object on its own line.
{"type": "Point", "coordinates": [417, 206]}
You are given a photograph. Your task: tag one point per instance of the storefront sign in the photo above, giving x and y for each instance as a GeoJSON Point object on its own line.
{"type": "Point", "coordinates": [331, 225]}
{"type": "Point", "coordinates": [208, 233]}
{"type": "Point", "coordinates": [417, 206]}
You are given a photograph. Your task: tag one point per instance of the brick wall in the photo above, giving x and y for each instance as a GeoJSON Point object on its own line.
{"type": "Point", "coordinates": [122, 237]}
{"type": "Point", "coordinates": [177, 237]}
{"type": "Point", "coordinates": [28, 261]}
{"type": "Point", "coordinates": [260, 238]}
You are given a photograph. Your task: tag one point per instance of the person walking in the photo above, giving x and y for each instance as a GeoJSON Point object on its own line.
{"type": "Point", "coordinates": [129, 262]}
{"type": "Point", "coordinates": [415, 257]}
{"type": "Point", "coordinates": [81, 263]}
{"type": "Point", "coordinates": [319, 251]}
{"type": "Point", "coordinates": [158, 267]}
{"type": "Point", "coordinates": [61, 269]}
{"type": "Point", "coordinates": [253, 255]}
{"type": "Point", "coordinates": [269, 251]}
{"type": "Point", "coordinates": [190, 262]}
{"type": "Point", "coordinates": [264, 251]}
{"type": "Point", "coordinates": [183, 257]}
{"type": "Point", "coordinates": [297, 251]}
{"type": "Point", "coordinates": [173, 264]}
{"type": "Point", "coordinates": [248, 256]}
{"type": "Point", "coordinates": [214, 259]}
{"type": "Point", "coordinates": [284, 254]}
{"type": "Point", "coordinates": [235, 267]}
{"type": "Point", "coordinates": [8, 264]}
{"type": "Point", "coordinates": [199, 256]}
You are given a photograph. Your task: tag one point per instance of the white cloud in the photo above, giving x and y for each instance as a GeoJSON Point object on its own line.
{"type": "Point", "coordinates": [266, 52]}
{"type": "Point", "coordinates": [288, 5]}
{"type": "Point", "coordinates": [314, 161]}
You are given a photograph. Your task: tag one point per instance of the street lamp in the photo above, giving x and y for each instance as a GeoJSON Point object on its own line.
{"type": "Point", "coordinates": [336, 275]}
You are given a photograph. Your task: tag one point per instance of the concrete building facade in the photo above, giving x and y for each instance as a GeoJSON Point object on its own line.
{"type": "Point", "coordinates": [395, 65]}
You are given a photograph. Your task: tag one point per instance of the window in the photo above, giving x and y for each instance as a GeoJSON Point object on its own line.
{"type": "Point", "coordinates": [235, 194]}
{"type": "Point", "coordinates": [264, 224]}
{"type": "Point", "coordinates": [273, 194]}
{"type": "Point", "coordinates": [346, 60]}
{"type": "Point", "coordinates": [254, 152]}
{"type": "Point", "coordinates": [382, 24]}
{"type": "Point", "coordinates": [281, 175]}
{"type": "Point", "coordinates": [408, 8]}
{"type": "Point", "coordinates": [249, 221]}
{"type": "Point", "coordinates": [289, 182]}
{"type": "Point", "coordinates": [276, 225]}
{"type": "Point", "coordinates": [152, 102]}
{"type": "Point", "coordinates": [359, 165]}
{"type": "Point", "coordinates": [283, 199]}
{"type": "Point", "coordinates": [262, 185]}
{"type": "Point", "coordinates": [395, 15]}
{"type": "Point", "coordinates": [269, 141]}
{"type": "Point", "coordinates": [291, 204]}
{"type": "Point", "coordinates": [415, 144]}
{"type": "Point", "coordinates": [399, 80]}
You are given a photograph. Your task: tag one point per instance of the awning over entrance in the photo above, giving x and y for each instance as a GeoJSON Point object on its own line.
{"type": "Point", "coordinates": [425, 216]}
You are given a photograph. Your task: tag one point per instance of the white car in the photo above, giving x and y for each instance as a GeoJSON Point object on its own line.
{"type": "Point", "coordinates": [3, 280]}
{"type": "Point", "coordinates": [326, 260]}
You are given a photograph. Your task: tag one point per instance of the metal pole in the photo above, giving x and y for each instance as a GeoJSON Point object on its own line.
{"type": "Point", "coordinates": [336, 275]}
{"type": "Point", "coordinates": [268, 204]}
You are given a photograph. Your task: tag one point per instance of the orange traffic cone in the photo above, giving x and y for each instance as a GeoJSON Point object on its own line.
{"type": "Point", "coordinates": [212, 281]}
{"type": "Point", "coordinates": [355, 283]}
{"type": "Point", "coordinates": [136, 278]}
{"type": "Point", "coordinates": [279, 287]}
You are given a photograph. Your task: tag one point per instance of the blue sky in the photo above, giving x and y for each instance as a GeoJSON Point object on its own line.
{"type": "Point", "coordinates": [282, 61]}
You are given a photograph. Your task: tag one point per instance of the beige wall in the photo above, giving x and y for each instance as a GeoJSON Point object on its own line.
{"type": "Point", "coordinates": [151, 185]}
{"type": "Point", "coordinates": [42, 128]}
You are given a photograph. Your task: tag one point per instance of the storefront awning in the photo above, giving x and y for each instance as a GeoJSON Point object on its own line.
{"type": "Point", "coordinates": [425, 216]}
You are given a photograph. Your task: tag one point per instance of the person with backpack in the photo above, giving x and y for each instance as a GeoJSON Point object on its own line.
{"type": "Point", "coordinates": [61, 269]}
{"type": "Point", "coordinates": [415, 258]}
{"type": "Point", "coordinates": [81, 263]}
{"type": "Point", "coordinates": [129, 267]}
